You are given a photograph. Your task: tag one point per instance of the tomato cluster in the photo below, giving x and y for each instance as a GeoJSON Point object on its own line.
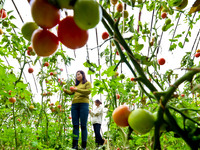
{"type": "Point", "coordinates": [140, 120]}
{"type": "Point", "coordinates": [71, 31]}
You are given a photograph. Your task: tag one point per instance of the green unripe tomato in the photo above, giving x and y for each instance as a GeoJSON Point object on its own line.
{"type": "Point", "coordinates": [171, 11]}
{"type": "Point", "coordinates": [87, 14]}
{"type": "Point", "coordinates": [5, 24]}
{"type": "Point", "coordinates": [122, 76]}
{"type": "Point", "coordinates": [175, 2]}
{"type": "Point", "coordinates": [140, 1]}
{"type": "Point", "coordinates": [182, 5]}
{"type": "Point", "coordinates": [164, 28]}
{"type": "Point", "coordinates": [125, 14]}
{"type": "Point", "coordinates": [168, 21]}
{"type": "Point", "coordinates": [164, 9]}
{"type": "Point", "coordinates": [141, 120]}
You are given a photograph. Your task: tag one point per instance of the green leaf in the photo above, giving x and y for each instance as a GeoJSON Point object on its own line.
{"type": "Point", "coordinates": [178, 36]}
{"type": "Point", "coordinates": [151, 7]}
{"type": "Point", "coordinates": [186, 39]}
{"type": "Point", "coordinates": [34, 144]}
{"type": "Point", "coordinates": [172, 47]}
{"type": "Point", "coordinates": [109, 72]}
{"type": "Point", "coordinates": [21, 85]}
{"type": "Point", "coordinates": [131, 24]}
{"type": "Point", "coordinates": [173, 40]}
{"type": "Point", "coordinates": [138, 47]}
{"type": "Point", "coordinates": [180, 45]}
{"type": "Point", "coordinates": [144, 38]}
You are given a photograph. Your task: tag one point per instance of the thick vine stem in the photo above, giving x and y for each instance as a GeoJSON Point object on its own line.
{"type": "Point", "coordinates": [186, 77]}
{"type": "Point", "coordinates": [123, 58]}
{"type": "Point", "coordinates": [184, 134]}
{"type": "Point", "coordinates": [182, 114]}
{"type": "Point", "coordinates": [154, 79]}
{"type": "Point", "coordinates": [158, 123]}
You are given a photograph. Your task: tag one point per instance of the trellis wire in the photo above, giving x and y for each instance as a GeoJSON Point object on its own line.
{"type": "Point", "coordinates": [99, 63]}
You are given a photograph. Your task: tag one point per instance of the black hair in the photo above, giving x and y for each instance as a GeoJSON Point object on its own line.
{"type": "Point", "coordinates": [98, 101]}
{"type": "Point", "coordinates": [84, 80]}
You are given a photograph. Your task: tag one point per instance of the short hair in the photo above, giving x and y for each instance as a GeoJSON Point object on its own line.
{"type": "Point", "coordinates": [98, 101]}
{"type": "Point", "coordinates": [84, 80]}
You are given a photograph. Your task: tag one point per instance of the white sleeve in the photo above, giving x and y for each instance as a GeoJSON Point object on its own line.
{"type": "Point", "coordinates": [97, 111]}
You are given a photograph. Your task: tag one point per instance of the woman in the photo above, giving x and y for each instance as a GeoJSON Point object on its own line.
{"type": "Point", "coordinates": [80, 107]}
{"type": "Point", "coordinates": [96, 121]}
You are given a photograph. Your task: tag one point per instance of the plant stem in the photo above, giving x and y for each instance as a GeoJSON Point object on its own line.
{"type": "Point", "coordinates": [151, 30]}
{"type": "Point", "coordinates": [186, 77]}
{"type": "Point", "coordinates": [182, 114]}
{"type": "Point", "coordinates": [180, 132]}
{"type": "Point", "coordinates": [175, 28]}
{"type": "Point", "coordinates": [188, 31]}
{"type": "Point", "coordinates": [13, 111]}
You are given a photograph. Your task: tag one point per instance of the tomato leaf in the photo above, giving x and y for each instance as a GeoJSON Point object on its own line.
{"type": "Point", "coordinates": [180, 45]}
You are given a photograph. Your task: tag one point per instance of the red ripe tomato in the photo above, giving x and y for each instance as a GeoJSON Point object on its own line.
{"type": "Point", "coordinates": [44, 14]}
{"type": "Point", "coordinates": [120, 115]}
{"type": "Point", "coordinates": [19, 120]}
{"type": "Point", "coordinates": [164, 15]}
{"type": "Point", "coordinates": [46, 64]}
{"type": "Point", "coordinates": [161, 61]}
{"type": "Point", "coordinates": [197, 55]}
{"type": "Point", "coordinates": [70, 117]}
{"type": "Point", "coordinates": [10, 92]}
{"type": "Point", "coordinates": [59, 106]}
{"type": "Point", "coordinates": [182, 95]}
{"type": "Point", "coordinates": [117, 53]}
{"type": "Point", "coordinates": [71, 88]}
{"type": "Point", "coordinates": [12, 99]}
{"type": "Point", "coordinates": [105, 35]}
{"type": "Point", "coordinates": [3, 14]}
{"type": "Point", "coordinates": [44, 42]}
{"type": "Point", "coordinates": [28, 52]}
{"type": "Point", "coordinates": [117, 96]}
{"type": "Point", "coordinates": [30, 48]}
{"type": "Point", "coordinates": [70, 34]}
{"type": "Point", "coordinates": [30, 70]}
{"type": "Point", "coordinates": [51, 73]}
{"type": "Point", "coordinates": [132, 79]}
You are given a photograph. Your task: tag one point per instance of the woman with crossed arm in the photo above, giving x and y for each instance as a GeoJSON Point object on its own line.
{"type": "Point", "coordinates": [80, 107]}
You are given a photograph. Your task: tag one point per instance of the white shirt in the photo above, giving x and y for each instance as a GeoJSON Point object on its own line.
{"type": "Point", "coordinates": [97, 114]}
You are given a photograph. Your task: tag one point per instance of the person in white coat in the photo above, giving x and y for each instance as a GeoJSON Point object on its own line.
{"type": "Point", "coordinates": [96, 120]}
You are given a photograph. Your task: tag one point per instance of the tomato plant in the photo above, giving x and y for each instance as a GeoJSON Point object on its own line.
{"type": "Point", "coordinates": [142, 34]}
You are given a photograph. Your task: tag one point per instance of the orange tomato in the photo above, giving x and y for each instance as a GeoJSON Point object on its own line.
{"type": "Point", "coordinates": [44, 42]}
{"type": "Point", "coordinates": [12, 99]}
{"type": "Point", "coordinates": [44, 14]}
{"type": "Point", "coordinates": [120, 115]}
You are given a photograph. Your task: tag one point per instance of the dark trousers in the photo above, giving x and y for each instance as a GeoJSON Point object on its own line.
{"type": "Point", "coordinates": [98, 138]}
{"type": "Point", "coordinates": [80, 112]}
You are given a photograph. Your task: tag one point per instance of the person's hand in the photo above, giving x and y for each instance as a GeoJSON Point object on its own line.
{"type": "Point", "coordinates": [64, 89]}
{"type": "Point", "coordinates": [73, 89]}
